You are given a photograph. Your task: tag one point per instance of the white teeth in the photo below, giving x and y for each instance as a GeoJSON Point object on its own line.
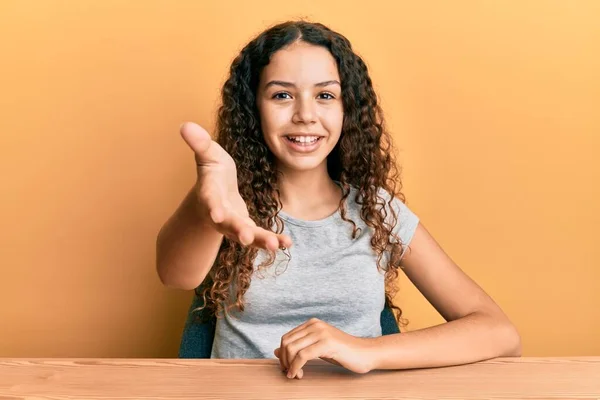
{"type": "Point", "coordinates": [304, 139]}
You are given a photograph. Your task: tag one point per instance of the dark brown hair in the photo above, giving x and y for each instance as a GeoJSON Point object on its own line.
{"type": "Point", "coordinates": [363, 158]}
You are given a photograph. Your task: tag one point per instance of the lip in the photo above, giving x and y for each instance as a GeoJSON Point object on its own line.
{"type": "Point", "coordinates": [298, 148]}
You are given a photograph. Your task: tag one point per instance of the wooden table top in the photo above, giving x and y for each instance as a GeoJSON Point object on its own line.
{"type": "Point", "coordinates": [501, 378]}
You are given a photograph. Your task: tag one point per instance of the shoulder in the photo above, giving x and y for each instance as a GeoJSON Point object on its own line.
{"type": "Point", "coordinates": [398, 204]}
{"type": "Point", "coordinates": [406, 220]}
{"type": "Point", "coordinates": [401, 209]}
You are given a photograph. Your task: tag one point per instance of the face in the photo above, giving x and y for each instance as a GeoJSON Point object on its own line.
{"type": "Point", "coordinates": [300, 102]}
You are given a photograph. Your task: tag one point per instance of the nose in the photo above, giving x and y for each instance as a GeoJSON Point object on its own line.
{"type": "Point", "coordinates": [305, 112]}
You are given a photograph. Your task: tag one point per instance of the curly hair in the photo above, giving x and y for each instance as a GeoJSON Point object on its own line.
{"type": "Point", "coordinates": [362, 158]}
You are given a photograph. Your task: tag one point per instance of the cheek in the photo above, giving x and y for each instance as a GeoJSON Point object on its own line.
{"type": "Point", "coordinates": [333, 120]}
{"type": "Point", "coordinates": [274, 118]}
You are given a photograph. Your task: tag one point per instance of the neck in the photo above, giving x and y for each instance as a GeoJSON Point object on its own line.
{"type": "Point", "coordinates": [309, 194]}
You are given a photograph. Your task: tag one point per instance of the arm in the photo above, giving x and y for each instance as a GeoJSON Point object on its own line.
{"type": "Point", "coordinates": [476, 330]}
{"type": "Point", "coordinates": [185, 247]}
{"type": "Point", "coordinates": [189, 242]}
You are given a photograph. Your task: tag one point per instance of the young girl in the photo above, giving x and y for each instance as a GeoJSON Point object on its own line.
{"type": "Point", "coordinates": [297, 222]}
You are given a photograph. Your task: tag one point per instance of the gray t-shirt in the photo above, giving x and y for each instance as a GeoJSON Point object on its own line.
{"type": "Point", "coordinates": [329, 276]}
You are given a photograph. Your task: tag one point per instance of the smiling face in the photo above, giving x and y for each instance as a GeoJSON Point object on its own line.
{"type": "Point", "coordinates": [300, 102]}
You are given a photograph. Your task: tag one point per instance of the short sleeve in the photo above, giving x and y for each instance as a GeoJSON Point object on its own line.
{"type": "Point", "coordinates": [406, 223]}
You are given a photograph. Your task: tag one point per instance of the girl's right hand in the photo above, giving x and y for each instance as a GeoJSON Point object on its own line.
{"type": "Point", "coordinates": [219, 200]}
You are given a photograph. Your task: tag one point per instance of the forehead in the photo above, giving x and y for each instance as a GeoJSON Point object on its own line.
{"type": "Point", "coordinates": [300, 63]}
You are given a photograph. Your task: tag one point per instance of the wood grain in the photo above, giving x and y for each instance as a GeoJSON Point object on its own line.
{"type": "Point", "coordinates": [501, 378]}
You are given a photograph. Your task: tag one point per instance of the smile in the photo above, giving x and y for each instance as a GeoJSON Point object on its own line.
{"type": "Point", "coordinates": [303, 140]}
{"type": "Point", "coordinates": [303, 144]}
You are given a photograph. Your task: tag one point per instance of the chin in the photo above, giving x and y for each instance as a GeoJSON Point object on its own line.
{"type": "Point", "coordinates": [302, 165]}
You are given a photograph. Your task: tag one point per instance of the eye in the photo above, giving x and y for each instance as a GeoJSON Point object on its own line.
{"type": "Point", "coordinates": [326, 96]}
{"type": "Point", "coordinates": [281, 96]}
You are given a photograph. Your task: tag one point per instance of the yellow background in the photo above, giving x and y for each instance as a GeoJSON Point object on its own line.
{"type": "Point", "coordinates": [494, 107]}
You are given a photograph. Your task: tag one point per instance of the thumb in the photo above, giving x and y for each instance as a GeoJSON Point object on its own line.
{"type": "Point", "coordinates": [199, 141]}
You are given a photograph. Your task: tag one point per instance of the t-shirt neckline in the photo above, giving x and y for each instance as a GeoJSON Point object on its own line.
{"type": "Point", "coordinates": [317, 222]}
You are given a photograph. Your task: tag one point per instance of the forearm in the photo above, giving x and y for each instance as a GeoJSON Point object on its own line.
{"type": "Point", "coordinates": [473, 338]}
{"type": "Point", "coordinates": [185, 247]}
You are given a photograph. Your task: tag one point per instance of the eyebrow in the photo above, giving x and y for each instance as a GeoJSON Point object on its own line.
{"type": "Point", "coordinates": [291, 84]}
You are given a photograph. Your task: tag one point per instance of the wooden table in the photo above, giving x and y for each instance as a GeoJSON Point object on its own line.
{"type": "Point", "coordinates": [501, 378]}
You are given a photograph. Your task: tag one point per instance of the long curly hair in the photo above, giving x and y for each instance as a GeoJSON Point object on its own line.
{"type": "Point", "coordinates": [363, 158]}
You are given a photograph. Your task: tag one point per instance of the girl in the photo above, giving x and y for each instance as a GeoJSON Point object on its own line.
{"type": "Point", "coordinates": [298, 224]}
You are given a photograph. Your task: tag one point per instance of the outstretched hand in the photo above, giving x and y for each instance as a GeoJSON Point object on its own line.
{"type": "Point", "coordinates": [220, 203]}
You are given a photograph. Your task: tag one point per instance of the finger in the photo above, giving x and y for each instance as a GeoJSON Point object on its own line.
{"type": "Point", "coordinates": [250, 221]}
{"type": "Point", "coordinates": [195, 136]}
{"type": "Point", "coordinates": [244, 233]}
{"type": "Point", "coordinates": [282, 359]}
{"type": "Point", "coordinates": [309, 322]}
{"type": "Point", "coordinates": [235, 228]}
{"type": "Point", "coordinates": [216, 209]}
{"type": "Point", "coordinates": [287, 352]}
{"type": "Point", "coordinates": [257, 237]}
{"type": "Point", "coordinates": [268, 240]}
{"type": "Point", "coordinates": [277, 353]}
{"type": "Point", "coordinates": [284, 241]}
{"type": "Point", "coordinates": [310, 352]}
{"type": "Point", "coordinates": [265, 239]}
{"type": "Point", "coordinates": [200, 142]}
{"type": "Point", "coordinates": [293, 335]}
{"type": "Point", "coordinates": [276, 242]}
{"type": "Point", "coordinates": [293, 348]}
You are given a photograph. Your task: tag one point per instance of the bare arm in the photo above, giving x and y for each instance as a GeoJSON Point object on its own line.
{"type": "Point", "coordinates": [188, 243]}
{"type": "Point", "coordinates": [186, 248]}
{"type": "Point", "coordinates": [477, 329]}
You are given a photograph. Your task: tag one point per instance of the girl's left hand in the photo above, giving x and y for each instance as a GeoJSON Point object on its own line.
{"type": "Point", "coordinates": [317, 339]}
